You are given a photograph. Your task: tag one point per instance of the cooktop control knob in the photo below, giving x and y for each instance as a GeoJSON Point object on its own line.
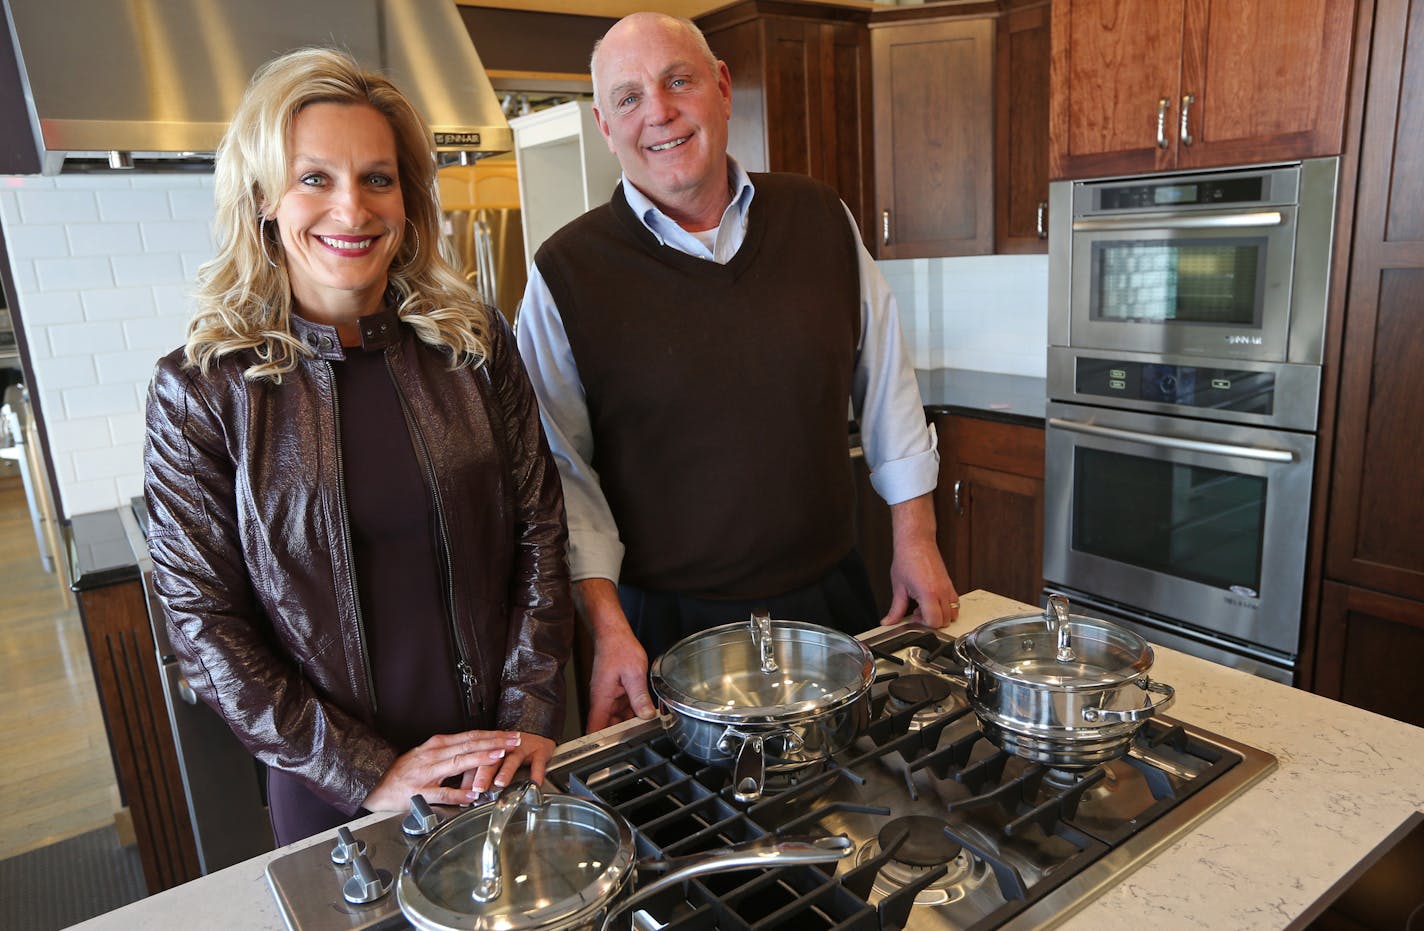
{"type": "Point", "coordinates": [367, 884]}
{"type": "Point", "coordinates": [347, 847]}
{"type": "Point", "coordinates": [421, 820]}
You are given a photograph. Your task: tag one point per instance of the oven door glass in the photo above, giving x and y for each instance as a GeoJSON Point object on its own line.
{"type": "Point", "coordinates": [1185, 519]}
{"type": "Point", "coordinates": [1188, 521]}
{"type": "Point", "coordinates": [1223, 292]}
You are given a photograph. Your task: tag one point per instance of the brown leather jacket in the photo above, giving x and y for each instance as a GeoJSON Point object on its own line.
{"type": "Point", "coordinates": [253, 560]}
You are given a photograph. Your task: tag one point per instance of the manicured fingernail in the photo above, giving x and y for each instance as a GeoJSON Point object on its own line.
{"type": "Point", "coordinates": [513, 740]}
{"type": "Point", "coordinates": [496, 754]}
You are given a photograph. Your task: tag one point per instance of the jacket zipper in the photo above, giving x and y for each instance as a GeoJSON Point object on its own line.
{"type": "Point", "coordinates": [346, 536]}
{"type": "Point", "coordinates": [468, 681]}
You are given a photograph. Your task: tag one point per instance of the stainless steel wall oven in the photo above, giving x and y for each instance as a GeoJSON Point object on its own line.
{"type": "Point", "coordinates": [1186, 334]}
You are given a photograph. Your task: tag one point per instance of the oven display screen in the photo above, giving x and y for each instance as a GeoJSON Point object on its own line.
{"type": "Point", "coordinates": [1185, 385]}
{"type": "Point", "coordinates": [1175, 194]}
{"type": "Point", "coordinates": [1206, 525]}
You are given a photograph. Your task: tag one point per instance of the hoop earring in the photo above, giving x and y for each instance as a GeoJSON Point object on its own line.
{"type": "Point", "coordinates": [262, 241]}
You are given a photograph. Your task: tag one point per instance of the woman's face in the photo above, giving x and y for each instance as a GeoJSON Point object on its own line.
{"type": "Point", "coordinates": [342, 215]}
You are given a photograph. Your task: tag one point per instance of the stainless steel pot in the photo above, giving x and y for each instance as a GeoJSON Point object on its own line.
{"type": "Point", "coordinates": [764, 697]}
{"type": "Point", "coordinates": [567, 863]}
{"type": "Point", "coordinates": [1066, 690]}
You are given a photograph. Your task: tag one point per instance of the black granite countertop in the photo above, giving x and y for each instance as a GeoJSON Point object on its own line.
{"type": "Point", "coordinates": [99, 551]}
{"type": "Point", "coordinates": [989, 395]}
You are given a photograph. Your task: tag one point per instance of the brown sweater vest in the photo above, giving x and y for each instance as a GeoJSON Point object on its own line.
{"type": "Point", "coordinates": [718, 394]}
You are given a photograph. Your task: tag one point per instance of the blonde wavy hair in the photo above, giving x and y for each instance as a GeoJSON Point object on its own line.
{"type": "Point", "coordinates": [244, 296]}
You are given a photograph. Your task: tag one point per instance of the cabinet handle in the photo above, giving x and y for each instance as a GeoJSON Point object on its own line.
{"type": "Point", "coordinates": [1162, 105]}
{"type": "Point", "coordinates": [958, 501]}
{"type": "Point", "coordinates": [1041, 223]}
{"type": "Point", "coordinates": [1187, 101]}
{"type": "Point", "coordinates": [885, 227]}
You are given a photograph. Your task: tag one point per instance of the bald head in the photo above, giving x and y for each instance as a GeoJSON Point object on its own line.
{"type": "Point", "coordinates": [638, 26]}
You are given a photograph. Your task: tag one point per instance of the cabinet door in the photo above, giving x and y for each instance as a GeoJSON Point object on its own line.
{"type": "Point", "coordinates": [1262, 80]}
{"type": "Point", "coordinates": [1021, 132]}
{"type": "Point", "coordinates": [1371, 648]}
{"type": "Point", "coordinates": [1115, 75]}
{"type": "Point", "coordinates": [934, 173]}
{"type": "Point", "coordinates": [1374, 536]}
{"type": "Point", "coordinates": [989, 506]}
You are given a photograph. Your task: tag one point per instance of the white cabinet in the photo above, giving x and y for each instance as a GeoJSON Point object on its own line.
{"type": "Point", "coordinates": [565, 168]}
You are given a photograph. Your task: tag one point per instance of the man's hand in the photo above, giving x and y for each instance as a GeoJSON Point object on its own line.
{"type": "Point", "coordinates": [917, 574]}
{"type": "Point", "coordinates": [618, 682]}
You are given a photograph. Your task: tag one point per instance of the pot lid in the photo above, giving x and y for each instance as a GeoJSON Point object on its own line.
{"type": "Point", "coordinates": [763, 671]}
{"type": "Point", "coordinates": [1057, 648]}
{"type": "Point", "coordinates": [559, 859]}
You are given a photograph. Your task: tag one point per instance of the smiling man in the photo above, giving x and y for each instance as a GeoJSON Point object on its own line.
{"type": "Point", "coordinates": [696, 344]}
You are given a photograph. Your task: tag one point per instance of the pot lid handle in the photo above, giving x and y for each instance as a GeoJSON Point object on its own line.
{"type": "Point", "coordinates": [1058, 620]}
{"type": "Point", "coordinates": [490, 884]}
{"type": "Point", "coordinates": [761, 636]}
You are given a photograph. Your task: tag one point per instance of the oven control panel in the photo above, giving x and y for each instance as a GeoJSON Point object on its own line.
{"type": "Point", "coordinates": [1214, 388]}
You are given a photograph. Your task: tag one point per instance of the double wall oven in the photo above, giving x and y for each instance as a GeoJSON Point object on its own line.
{"type": "Point", "coordinates": [1186, 334]}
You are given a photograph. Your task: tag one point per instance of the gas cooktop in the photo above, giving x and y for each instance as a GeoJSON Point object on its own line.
{"type": "Point", "coordinates": [950, 831]}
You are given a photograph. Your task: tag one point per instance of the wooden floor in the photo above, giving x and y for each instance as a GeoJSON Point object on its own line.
{"type": "Point", "coordinates": [56, 774]}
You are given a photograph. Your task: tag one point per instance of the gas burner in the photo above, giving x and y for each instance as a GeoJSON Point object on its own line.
{"type": "Point", "coordinates": [1061, 779]}
{"type": "Point", "coordinates": [932, 696]}
{"type": "Point", "coordinates": [919, 845]}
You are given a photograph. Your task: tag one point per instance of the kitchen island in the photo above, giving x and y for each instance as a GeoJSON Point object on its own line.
{"type": "Point", "coordinates": [1346, 779]}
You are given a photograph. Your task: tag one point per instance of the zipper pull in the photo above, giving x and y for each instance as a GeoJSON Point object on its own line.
{"type": "Point", "coordinates": [467, 679]}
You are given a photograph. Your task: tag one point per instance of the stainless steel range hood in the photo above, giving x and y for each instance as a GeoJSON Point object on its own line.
{"type": "Point", "coordinates": [108, 82]}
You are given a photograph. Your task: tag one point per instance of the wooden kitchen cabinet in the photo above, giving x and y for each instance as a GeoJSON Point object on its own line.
{"type": "Point", "coordinates": [1021, 131]}
{"type": "Point", "coordinates": [1370, 649]}
{"type": "Point", "coordinates": [934, 148]}
{"type": "Point", "coordinates": [1153, 85]}
{"type": "Point", "coordinates": [1369, 638]}
{"type": "Point", "coordinates": [800, 91]}
{"type": "Point", "coordinates": [989, 505]}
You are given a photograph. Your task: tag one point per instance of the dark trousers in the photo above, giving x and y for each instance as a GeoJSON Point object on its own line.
{"type": "Point", "coordinates": [842, 599]}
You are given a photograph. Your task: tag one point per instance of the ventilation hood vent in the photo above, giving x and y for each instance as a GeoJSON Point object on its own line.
{"type": "Point", "coordinates": [114, 84]}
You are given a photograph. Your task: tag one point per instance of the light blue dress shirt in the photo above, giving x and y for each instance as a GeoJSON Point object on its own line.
{"type": "Point", "coordinates": [899, 447]}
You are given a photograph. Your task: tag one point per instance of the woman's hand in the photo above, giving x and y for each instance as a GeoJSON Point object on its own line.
{"type": "Point", "coordinates": [423, 769]}
{"type": "Point", "coordinates": [531, 749]}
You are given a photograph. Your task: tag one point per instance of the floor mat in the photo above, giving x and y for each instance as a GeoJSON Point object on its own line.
{"type": "Point", "coordinates": [69, 882]}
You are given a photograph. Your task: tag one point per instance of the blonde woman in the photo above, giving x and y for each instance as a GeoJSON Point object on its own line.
{"type": "Point", "coordinates": [357, 526]}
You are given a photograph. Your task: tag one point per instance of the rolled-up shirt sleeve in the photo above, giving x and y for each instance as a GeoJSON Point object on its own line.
{"type": "Point", "coordinates": [900, 447]}
{"type": "Point", "coordinates": [595, 551]}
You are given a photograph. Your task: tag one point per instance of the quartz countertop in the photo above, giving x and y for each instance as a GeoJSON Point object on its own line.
{"type": "Point", "coordinates": [990, 395]}
{"type": "Point", "coordinates": [1347, 778]}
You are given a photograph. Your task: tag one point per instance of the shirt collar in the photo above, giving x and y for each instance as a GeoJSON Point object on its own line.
{"type": "Point", "coordinates": [665, 228]}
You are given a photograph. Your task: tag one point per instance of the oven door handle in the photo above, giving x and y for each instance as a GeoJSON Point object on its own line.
{"type": "Point", "coordinates": [1202, 222]}
{"type": "Point", "coordinates": [1175, 442]}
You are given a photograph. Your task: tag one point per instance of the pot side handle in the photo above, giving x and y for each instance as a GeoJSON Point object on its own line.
{"type": "Point", "coordinates": [1101, 715]}
{"type": "Point", "coordinates": [490, 884]}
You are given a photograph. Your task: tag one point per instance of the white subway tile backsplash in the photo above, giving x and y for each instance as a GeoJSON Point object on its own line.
{"type": "Point", "coordinates": [157, 268]}
{"type": "Point", "coordinates": [170, 180]}
{"type": "Point", "coordinates": [132, 205]}
{"type": "Point", "coordinates": [66, 371]}
{"type": "Point", "coordinates": [108, 462]}
{"type": "Point", "coordinates": [83, 339]}
{"type": "Point", "coordinates": [175, 299]}
{"type": "Point", "coordinates": [97, 401]}
{"type": "Point", "coordinates": [192, 261]}
{"type": "Point", "coordinates": [66, 436]}
{"type": "Point", "coordinates": [104, 239]}
{"type": "Point", "coordinates": [41, 242]}
{"type": "Point", "coordinates": [159, 334]}
{"type": "Point", "coordinates": [81, 272]}
{"type": "Point", "coordinates": [129, 485]}
{"type": "Point", "coordinates": [96, 181]}
{"type": "Point", "coordinates": [85, 497]}
{"type": "Point", "coordinates": [119, 304]}
{"type": "Point", "coordinates": [194, 203]}
{"type": "Point", "coordinates": [47, 308]}
{"type": "Point", "coordinates": [176, 235]}
{"type": "Point", "coordinates": [129, 428]}
{"type": "Point", "coordinates": [131, 367]}
{"type": "Point", "coordinates": [56, 206]}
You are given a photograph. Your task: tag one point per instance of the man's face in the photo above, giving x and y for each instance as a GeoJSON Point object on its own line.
{"type": "Point", "coordinates": [663, 107]}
